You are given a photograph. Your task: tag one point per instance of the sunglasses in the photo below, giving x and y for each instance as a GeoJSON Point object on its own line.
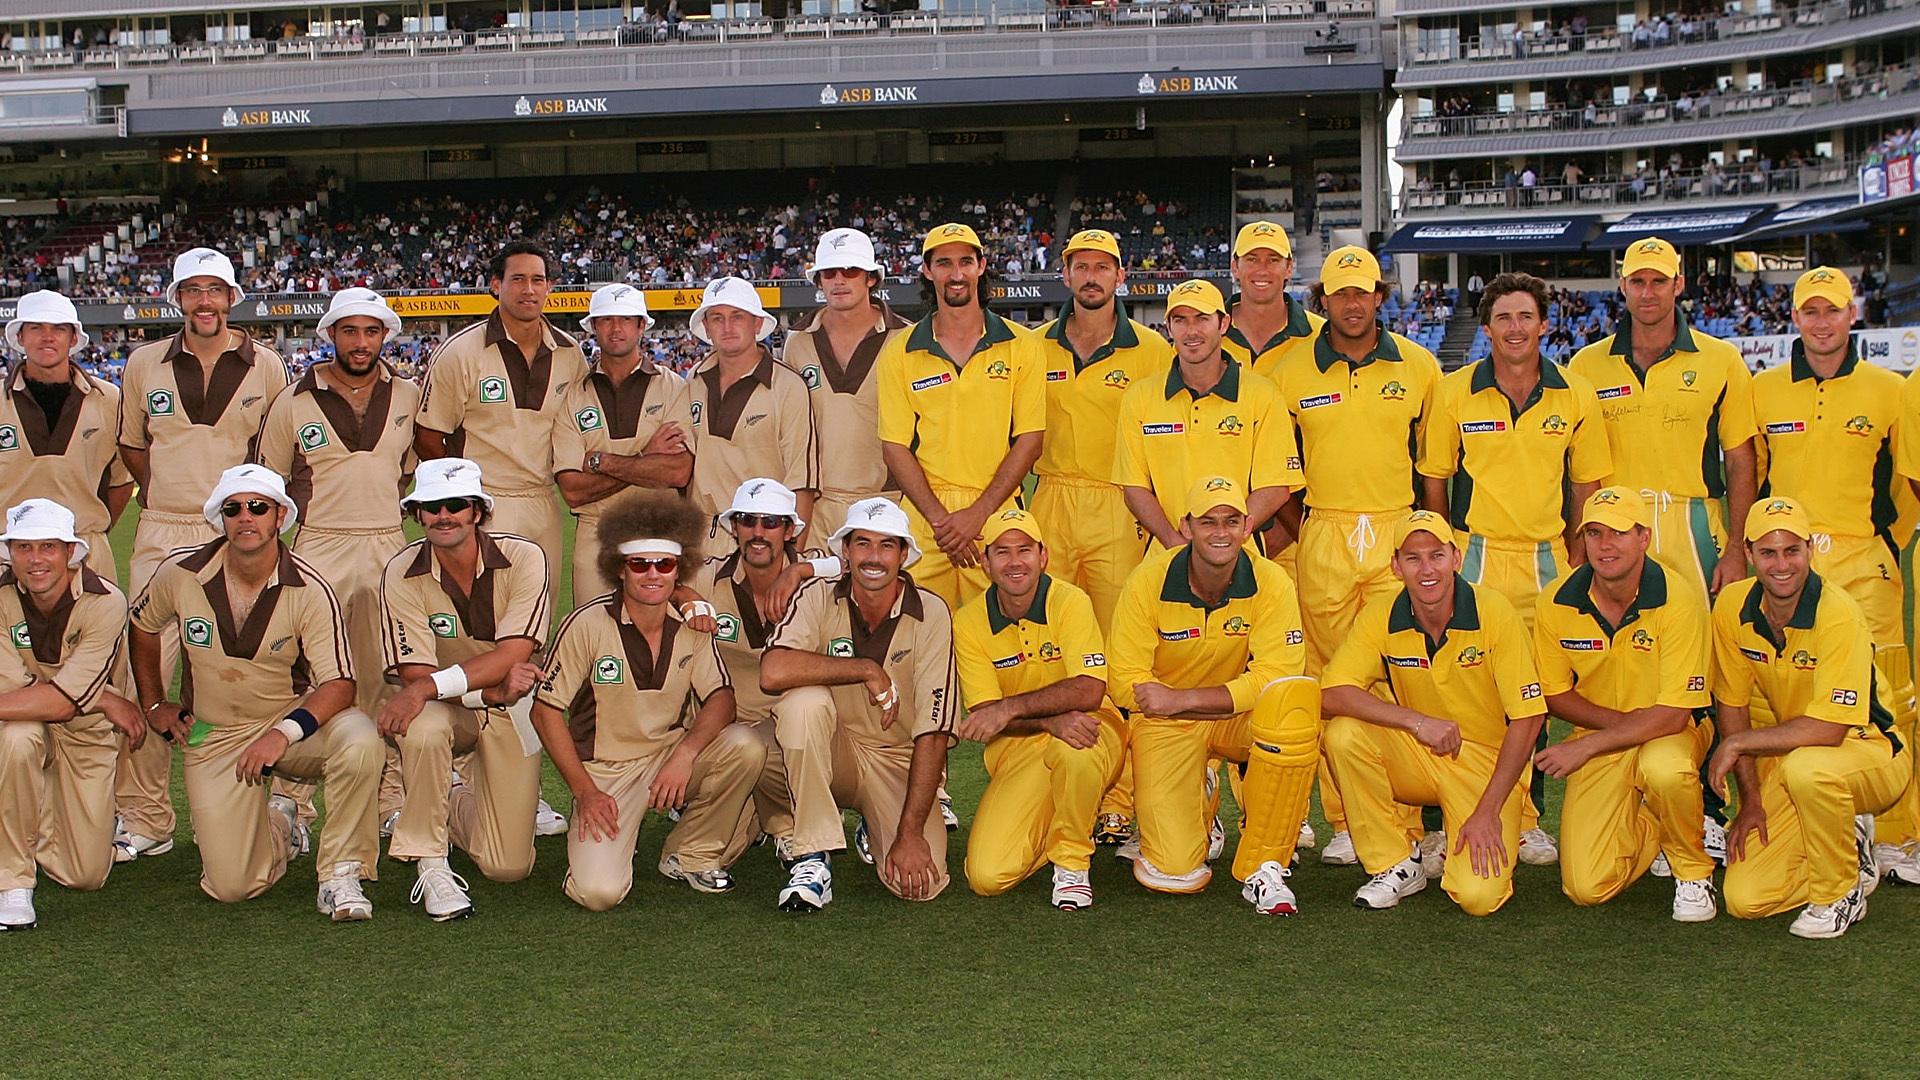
{"type": "Point", "coordinates": [659, 564]}
{"type": "Point", "coordinates": [443, 506]}
{"type": "Point", "coordinates": [763, 521]}
{"type": "Point", "coordinates": [840, 271]}
{"type": "Point", "coordinates": [256, 507]}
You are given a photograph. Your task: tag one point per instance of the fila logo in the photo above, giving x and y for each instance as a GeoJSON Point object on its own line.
{"type": "Point", "coordinates": [1477, 427]}
{"type": "Point", "coordinates": [1696, 682]}
{"type": "Point", "coordinates": [1296, 637]}
{"type": "Point", "coordinates": [1408, 662]}
{"type": "Point", "coordinates": [932, 381]}
{"type": "Point", "coordinates": [1316, 402]}
{"type": "Point", "coordinates": [1787, 427]}
{"type": "Point", "coordinates": [1530, 691]}
{"type": "Point", "coordinates": [1188, 634]}
{"type": "Point", "coordinates": [1613, 392]}
{"type": "Point", "coordinates": [1174, 428]}
{"type": "Point", "coordinates": [1583, 644]}
{"type": "Point", "coordinates": [1094, 659]}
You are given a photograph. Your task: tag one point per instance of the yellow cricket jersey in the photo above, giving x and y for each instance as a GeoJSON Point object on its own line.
{"type": "Point", "coordinates": [1163, 633]}
{"type": "Point", "coordinates": [1828, 443]}
{"type": "Point", "coordinates": [1058, 638]}
{"type": "Point", "coordinates": [1510, 466]}
{"type": "Point", "coordinates": [958, 418]}
{"type": "Point", "coordinates": [1667, 426]}
{"type": "Point", "coordinates": [1359, 424]}
{"type": "Point", "coordinates": [1480, 674]}
{"type": "Point", "coordinates": [1169, 436]}
{"type": "Point", "coordinates": [1294, 339]}
{"type": "Point", "coordinates": [1083, 395]}
{"type": "Point", "coordinates": [1821, 665]}
{"type": "Point", "coordinates": [1656, 656]}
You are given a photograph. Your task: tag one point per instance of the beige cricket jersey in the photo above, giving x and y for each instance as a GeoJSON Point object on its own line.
{"type": "Point", "coordinates": [761, 426]}
{"type": "Point", "coordinates": [194, 430]}
{"type": "Point", "coordinates": [428, 620]}
{"type": "Point", "coordinates": [498, 407]}
{"type": "Point", "coordinates": [342, 470]}
{"type": "Point", "coordinates": [608, 419]}
{"type": "Point", "coordinates": [846, 403]}
{"type": "Point", "coordinates": [76, 646]}
{"type": "Point", "coordinates": [624, 703]}
{"type": "Point", "coordinates": [914, 644]}
{"type": "Point", "coordinates": [72, 458]}
{"type": "Point", "coordinates": [292, 641]}
{"type": "Point", "coordinates": [738, 629]}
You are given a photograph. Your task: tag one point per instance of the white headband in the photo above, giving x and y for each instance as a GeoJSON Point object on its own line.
{"type": "Point", "coordinates": [649, 546]}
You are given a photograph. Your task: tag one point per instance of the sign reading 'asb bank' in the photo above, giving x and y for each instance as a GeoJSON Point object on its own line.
{"type": "Point", "coordinates": [1188, 84]}
{"type": "Point", "coordinates": [869, 95]}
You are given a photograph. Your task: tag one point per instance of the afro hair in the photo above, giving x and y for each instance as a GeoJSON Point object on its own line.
{"type": "Point", "coordinates": [651, 514]}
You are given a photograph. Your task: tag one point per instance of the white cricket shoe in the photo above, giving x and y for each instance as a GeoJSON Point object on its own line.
{"type": "Point", "coordinates": [1072, 889]}
{"type": "Point", "coordinates": [1869, 866]}
{"type": "Point", "coordinates": [809, 885]}
{"type": "Point", "coordinates": [863, 842]}
{"type": "Point", "coordinates": [1433, 853]}
{"type": "Point", "coordinates": [547, 821]}
{"type": "Point", "coordinates": [1216, 839]}
{"type": "Point", "coordinates": [1266, 889]}
{"type": "Point", "coordinates": [1159, 880]}
{"type": "Point", "coordinates": [1715, 836]}
{"type": "Point", "coordinates": [947, 816]}
{"type": "Point", "coordinates": [1128, 849]}
{"type": "Point", "coordinates": [1307, 840]}
{"type": "Point", "coordinates": [1660, 867]}
{"type": "Point", "coordinates": [128, 846]}
{"type": "Point", "coordinates": [1538, 849]}
{"type": "Point", "coordinates": [341, 897]}
{"type": "Point", "coordinates": [1899, 862]}
{"type": "Point", "coordinates": [388, 823]}
{"type": "Point", "coordinates": [716, 880]}
{"type": "Point", "coordinates": [1390, 886]}
{"type": "Point", "coordinates": [441, 891]}
{"type": "Point", "coordinates": [1693, 901]}
{"type": "Point", "coordinates": [16, 910]}
{"type": "Point", "coordinates": [1339, 850]}
{"type": "Point", "coordinates": [1830, 920]}
{"type": "Point", "coordinates": [284, 806]}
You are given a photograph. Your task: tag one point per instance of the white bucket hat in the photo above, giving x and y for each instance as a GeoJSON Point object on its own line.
{"type": "Point", "coordinates": [348, 303]}
{"type": "Point", "coordinates": [46, 307]}
{"type": "Point", "coordinates": [42, 519]}
{"type": "Point", "coordinates": [617, 299]}
{"type": "Point", "coordinates": [878, 515]}
{"type": "Point", "coordinates": [730, 292]}
{"type": "Point", "coordinates": [249, 479]}
{"type": "Point", "coordinates": [763, 496]}
{"type": "Point", "coordinates": [446, 478]}
{"type": "Point", "coordinates": [841, 249]}
{"type": "Point", "coordinates": [202, 262]}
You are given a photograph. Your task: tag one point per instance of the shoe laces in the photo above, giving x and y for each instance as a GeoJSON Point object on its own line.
{"type": "Point", "coordinates": [1694, 890]}
{"type": "Point", "coordinates": [810, 872]}
{"type": "Point", "coordinates": [12, 896]}
{"type": "Point", "coordinates": [436, 883]}
{"type": "Point", "coordinates": [1063, 876]}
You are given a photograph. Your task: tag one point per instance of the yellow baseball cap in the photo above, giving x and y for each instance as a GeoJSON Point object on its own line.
{"type": "Point", "coordinates": [1255, 235]}
{"type": "Point", "coordinates": [1651, 253]}
{"type": "Point", "coordinates": [1012, 519]}
{"type": "Point", "coordinates": [1211, 491]}
{"type": "Point", "coordinates": [1093, 240]}
{"type": "Point", "coordinates": [1770, 515]}
{"type": "Point", "coordinates": [1349, 267]}
{"type": "Point", "coordinates": [1826, 283]}
{"type": "Point", "coordinates": [951, 233]}
{"type": "Point", "coordinates": [1618, 508]}
{"type": "Point", "coordinates": [1198, 294]}
{"type": "Point", "coordinates": [1425, 521]}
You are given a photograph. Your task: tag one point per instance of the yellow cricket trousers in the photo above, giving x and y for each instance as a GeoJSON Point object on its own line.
{"type": "Point", "coordinates": [1092, 539]}
{"type": "Point", "coordinates": [1811, 795]}
{"type": "Point", "coordinates": [56, 801]}
{"type": "Point", "coordinates": [1624, 808]}
{"type": "Point", "coordinates": [1039, 805]}
{"type": "Point", "coordinates": [490, 816]}
{"type": "Point", "coordinates": [935, 572]}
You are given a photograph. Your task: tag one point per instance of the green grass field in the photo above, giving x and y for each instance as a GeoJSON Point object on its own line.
{"type": "Point", "coordinates": [148, 977]}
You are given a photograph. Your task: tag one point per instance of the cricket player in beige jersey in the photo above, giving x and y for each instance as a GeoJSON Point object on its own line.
{"type": "Point", "coordinates": [751, 413]}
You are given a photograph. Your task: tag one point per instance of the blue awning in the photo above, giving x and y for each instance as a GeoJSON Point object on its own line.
{"type": "Point", "coordinates": [1805, 218]}
{"type": "Point", "coordinates": [1706, 225]}
{"type": "Point", "coordinates": [1483, 235]}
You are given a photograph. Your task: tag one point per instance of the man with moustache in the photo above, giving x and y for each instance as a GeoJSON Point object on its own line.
{"type": "Point", "coordinates": [190, 406]}
{"type": "Point", "coordinates": [835, 353]}
{"type": "Point", "coordinates": [628, 424]}
{"type": "Point", "coordinates": [963, 412]}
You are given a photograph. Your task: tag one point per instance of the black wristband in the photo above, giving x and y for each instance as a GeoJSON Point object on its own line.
{"type": "Point", "coordinates": [308, 725]}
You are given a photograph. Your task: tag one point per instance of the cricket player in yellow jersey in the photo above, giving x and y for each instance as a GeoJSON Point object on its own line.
{"type": "Point", "coordinates": [1033, 670]}
{"type": "Point", "coordinates": [1678, 407]}
{"type": "Point", "coordinates": [835, 353]}
{"type": "Point", "coordinates": [1211, 416]}
{"type": "Point", "coordinates": [1092, 353]}
{"type": "Point", "coordinates": [1824, 758]}
{"type": "Point", "coordinates": [1830, 425]}
{"type": "Point", "coordinates": [1207, 651]}
{"type": "Point", "coordinates": [1622, 645]}
{"type": "Point", "coordinates": [190, 406]}
{"type": "Point", "coordinates": [1358, 396]}
{"type": "Point", "coordinates": [963, 412]}
{"type": "Point", "coordinates": [1458, 731]}
{"type": "Point", "coordinates": [1269, 325]}
{"type": "Point", "coordinates": [1897, 832]}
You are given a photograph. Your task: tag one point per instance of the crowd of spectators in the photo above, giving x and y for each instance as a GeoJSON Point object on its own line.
{"type": "Point", "coordinates": [1156, 233]}
{"type": "Point", "coordinates": [1428, 305]}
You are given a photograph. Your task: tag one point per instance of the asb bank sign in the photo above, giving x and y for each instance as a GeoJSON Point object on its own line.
{"type": "Point", "coordinates": [1188, 84]}
{"type": "Point", "coordinates": [236, 118]}
{"type": "Point", "coordinates": [561, 106]}
{"type": "Point", "coordinates": [887, 94]}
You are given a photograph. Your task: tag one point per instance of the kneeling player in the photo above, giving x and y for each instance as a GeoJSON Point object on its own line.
{"type": "Point", "coordinates": [1208, 652]}
{"type": "Point", "coordinates": [258, 628]}
{"type": "Point", "coordinates": [1033, 668]}
{"type": "Point", "coordinates": [1810, 782]}
{"type": "Point", "coordinates": [623, 670]}
{"type": "Point", "coordinates": [1623, 646]}
{"type": "Point", "coordinates": [1465, 712]}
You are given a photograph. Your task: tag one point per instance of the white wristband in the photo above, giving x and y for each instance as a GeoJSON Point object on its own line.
{"type": "Point", "coordinates": [825, 568]}
{"type": "Point", "coordinates": [696, 608]}
{"type": "Point", "coordinates": [474, 699]}
{"type": "Point", "coordinates": [449, 683]}
{"type": "Point", "coordinates": [291, 729]}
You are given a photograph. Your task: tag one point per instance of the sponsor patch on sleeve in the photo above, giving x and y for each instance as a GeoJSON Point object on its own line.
{"type": "Point", "coordinates": [1846, 697]}
{"type": "Point", "coordinates": [1094, 659]}
{"type": "Point", "coordinates": [1529, 691]}
{"type": "Point", "coordinates": [1754, 655]}
{"type": "Point", "coordinates": [1787, 427]}
{"type": "Point", "coordinates": [1610, 392]}
{"type": "Point", "coordinates": [1481, 427]}
{"type": "Point", "coordinates": [1696, 682]}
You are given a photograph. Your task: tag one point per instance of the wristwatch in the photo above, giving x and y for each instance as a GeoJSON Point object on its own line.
{"type": "Point", "coordinates": [593, 462]}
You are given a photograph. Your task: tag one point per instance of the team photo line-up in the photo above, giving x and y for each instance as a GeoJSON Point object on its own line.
{"type": "Point", "coordinates": [1280, 547]}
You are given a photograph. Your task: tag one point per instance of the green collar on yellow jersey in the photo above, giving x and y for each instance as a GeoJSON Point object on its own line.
{"type": "Point", "coordinates": [1123, 336]}
{"type": "Point", "coordinates": [1228, 387]}
{"type": "Point", "coordinates": [1753, 615]}
{"type": "Point", "coordinates": [1551, 378]}
{"type": "Point", "coordinates": [1178, 587]}
{"type": "Point", "coordinates": [1036, 612]}
{"type": "Point", "coordinates": [1803, 370]}
{"type": "Point", "coordinates": [1577, 593]}
{"type": "Point", "coordinates": [1325, 355]}
{"type": "Point", "coordinates": [922, 339]}
{"type": "Point", "coordinates": [1466, 613]}
{"type": "Point", "coordinates": [1682, 337]}
{"type": "Point", "coordinates": [1297, 326]}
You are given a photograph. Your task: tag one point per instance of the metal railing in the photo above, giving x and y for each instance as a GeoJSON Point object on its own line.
{"type": "Point", "coordinates": [1696, 30]}
{"type": "Point", "coordinates": [1735, 183]}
